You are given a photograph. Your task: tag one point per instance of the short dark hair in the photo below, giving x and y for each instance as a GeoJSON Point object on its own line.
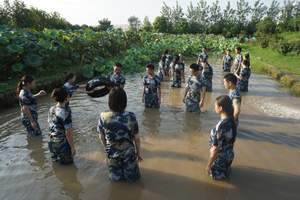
{"type": "Point", "coordinates": [231, 78]}
{"type": "Point", "coordinates": [150, 66]}
{"type": "Point", "coordinates": [195, 67]}
{"type": "Point", "coordinates": [69, 76]}
{"type": "Point", "coordinates": [59, 94]}
{"type": "Point", "coordinates": [117, 100]}
{"type": "Point", "coordinates": [117, 64]}
{"type": "Point", "coordinates": [239, 48]}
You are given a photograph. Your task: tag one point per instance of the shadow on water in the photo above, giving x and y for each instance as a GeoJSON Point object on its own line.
{"type": "Point", "coordinates": [37, 153]}
{"type": "Point", "coordinates": [67, 175]}
{"type": "Point", "coordinates": [271, 137]}
{"type": "Point", "coordinates": [254, 183]}
{"type": "Point", "coordinates": [165, 154]}
{"type": "Point", "coordinates": [245, 183]}
{"type": "Point", "coordinates": [151, 121]}
{"type": "Point", "coordinates": [162, 187]}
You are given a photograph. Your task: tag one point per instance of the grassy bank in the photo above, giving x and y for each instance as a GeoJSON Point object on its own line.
{"type": "Point", "coordinates": [285, 69]}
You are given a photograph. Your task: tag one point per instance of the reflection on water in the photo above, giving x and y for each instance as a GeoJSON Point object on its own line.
{"type": "Point", "coordinates": [174, 144]}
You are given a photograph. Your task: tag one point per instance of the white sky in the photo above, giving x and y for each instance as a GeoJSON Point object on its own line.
{"type": "Point", "coordinates": [118, 11]}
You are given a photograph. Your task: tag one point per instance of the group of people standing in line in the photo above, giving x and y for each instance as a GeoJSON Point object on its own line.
{"type": "Point", "coordinates": [118, 129]}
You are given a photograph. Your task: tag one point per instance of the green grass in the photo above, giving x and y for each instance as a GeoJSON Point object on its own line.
{"type": "Point", "coordinates": [285, 69]}
{"type": "Point", "coordinates": [291, 36]}
{"type": "Point", "coordinates": [260, 57]}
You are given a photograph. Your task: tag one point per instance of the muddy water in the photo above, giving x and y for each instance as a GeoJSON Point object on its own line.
{"type": "Point", "coordinates": [174, 145]}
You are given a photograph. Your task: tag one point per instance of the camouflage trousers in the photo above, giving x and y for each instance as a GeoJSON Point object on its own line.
{"type": "Point", "coordinates": [192, 106]}
{"type": "Point", "coordinates": [124, 168]}
{"type": "Point", "coordinates": [222, 165]}
{"type": "Point", "coordinates": [176, 81]}
{"type": "Point", "coordinates": [243, 85]}
{"type": "Point", "coordinates": [27, 124]}
{"type": "Point", "coordinates": [61, 150]}
{"type": "Point", "coordinates": [151, 101]}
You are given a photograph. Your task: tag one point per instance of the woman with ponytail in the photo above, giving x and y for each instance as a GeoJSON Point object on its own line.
{"type": "Point", "coordinates": [28, 105]}
{"type": "Point", "coordinates": [222, 139]}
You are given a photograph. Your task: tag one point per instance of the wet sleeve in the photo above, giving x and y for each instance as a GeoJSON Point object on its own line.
{"type": "Point", "coordinates": [135, 126]}
{"type": "Point", "coordinates": [100, 126]}
{"type": "Point", "coordinates": [68, 121]}
{"type": "Point", "coordinates": [25, 100]}
{"type": "Point", "coordinates": [214, 138]}
{"type": "Point", "coordinates": [123, 81]}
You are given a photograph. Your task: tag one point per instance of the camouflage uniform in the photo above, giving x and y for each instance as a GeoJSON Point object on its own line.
{"type": "Point", "coordinates": [207, 76]}
{"type": "Point", "coordinates": [167, 64]}
{"type": "Point", "coordinates": [60, 119]}
{"type": "Point", "coordinates": [119, 130]}
{"type": "Point", "coordinates": [243, 83]}
{"type": "Point", "coordinates": [26, 98]}
{"type": "Point", "coordinates": [235, 97]}
{"type": "Point", "coordinates": [118, 80]}
{"type": "Point", "coordinates": [71, 89]}
{"type": "Point", "coordinates": [178, 70]}
{"type": "Point", "coordinates": [237, 62]}
{"type": "Point", "coordinates": [203, 57]}
{"type": "Point", "coordinates": [194, 89]}
{"type": "Point", "coordinates": [223, 137]}
{"type": "Point", "coordinates": [151, 91]}
{"type": "Point", "coordinates": [161, 70]}
{"type": "Point", "coordinates": [227, 63]}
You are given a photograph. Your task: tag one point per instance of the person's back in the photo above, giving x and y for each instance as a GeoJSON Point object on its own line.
{"type": "Point", "coordinates": [119, 133]}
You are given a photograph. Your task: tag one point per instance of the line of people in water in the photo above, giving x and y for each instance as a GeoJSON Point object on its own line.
{"type": "Point", "coordinates": [118, 128]}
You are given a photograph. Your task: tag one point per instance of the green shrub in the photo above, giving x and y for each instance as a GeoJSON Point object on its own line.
{"type": "Point", "coordinates": [288, 80]}
{"type": "Point", "coordinates": [295, 90]}
{"type": "Point", "coordinates": [285, 47]}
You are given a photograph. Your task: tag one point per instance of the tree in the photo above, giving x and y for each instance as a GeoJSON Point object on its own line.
{"type": "Point", "coordinates": [161, 25]}
{"type": "Point", "coordinates": [181, 26]}
{"type": "Point", "coordinates": [134, 23]}
{"type": "Point", "coordinates": [147, 26]}
{"type": "Point", "coordinates": [267, 26]}
{"type": "Point", "coordinates": [104, 25]}
{"type": "Point", "coordinates": [215, 18]}
{"type": "Point", "coordinates": [273, 10]}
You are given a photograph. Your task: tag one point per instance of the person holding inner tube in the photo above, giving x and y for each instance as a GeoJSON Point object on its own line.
{"type": "Point", "coordinates": [117, 78]}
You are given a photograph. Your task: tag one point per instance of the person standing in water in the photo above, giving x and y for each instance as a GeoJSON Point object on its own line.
{"type": "Point", "coordinates": [238, 60]}
{"type": "Point", "coordinates": [195, 90]}
{"type": "Point", "coordinates": [227, 61]}
{"type": "Point", "coordinates": [207, 75]}
{"type": "Point", "coordinates": [203, 56]}
{"type": "Point", "coordinates": [182, 64]}
{"type": "Point", "coordinates": [176, 72]}
{"type": "Point", "coordinates": [61, 142]}
{"type": "Point", "coordinates": [119, 133]}
{"type": "Point", "coordinates": [244, 76]}
{"type": "Point", "coordinates": [117, 78]}
{"type": "Point", "coordinates": [222, 139]}
{"type": "Point", "coordinates": [230, 81]}
{"type": "Point", "coordinates": [161, 67]}
{"type": "Point", "coordinates": [151, 91]}
{"type": "Point", "coordinates": [28, 104]}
